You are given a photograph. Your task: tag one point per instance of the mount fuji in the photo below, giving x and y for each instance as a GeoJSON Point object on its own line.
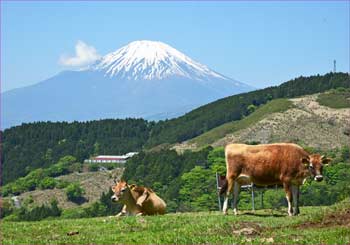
{"type": "Point", "coordinates": [142, 79]}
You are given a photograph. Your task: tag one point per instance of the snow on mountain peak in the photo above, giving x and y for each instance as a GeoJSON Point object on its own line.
{"type": "Point", "coordinates": [152, 60]}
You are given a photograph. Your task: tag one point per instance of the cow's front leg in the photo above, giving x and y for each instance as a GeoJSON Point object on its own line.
{"type": "Point", "coordinates": [295, 193]}
{"type": "Point", "coordinates": [123, 212]}
{"type": "Point", "coordinates": [289, 196]}
{"type": "Point", "coordinates": [228, 192]}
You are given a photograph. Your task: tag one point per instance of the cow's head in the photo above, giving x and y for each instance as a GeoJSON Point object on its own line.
{"type": "Point", "coordinates": [121, 191]}
{"type": "Point", "coordinates": [315, 163]}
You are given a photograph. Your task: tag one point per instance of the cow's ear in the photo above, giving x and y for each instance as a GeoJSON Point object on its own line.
{"type": "Point", "coordinates": [305, 161]}
{"type": "Point", "coordinates": [326, 160]}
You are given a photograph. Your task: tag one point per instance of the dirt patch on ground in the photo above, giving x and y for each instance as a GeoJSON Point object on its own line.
{"type": "Point", "coordinates": [248, 229]}
{"type": "Point", "coordinates": [244, 229]}
{"type": "Point", "coordinates": [330, 220]}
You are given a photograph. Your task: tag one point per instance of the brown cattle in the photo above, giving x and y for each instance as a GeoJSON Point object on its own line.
{"type": "Point", "coordinates": [137, 200]}
{"type": "Point", "coordinates": [285, 164]}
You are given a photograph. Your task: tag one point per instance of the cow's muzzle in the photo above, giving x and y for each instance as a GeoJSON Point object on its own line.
{"type": "Point", "coordinates": [114, 198]}
{"type": "Point", "coordinates": [318, 178]}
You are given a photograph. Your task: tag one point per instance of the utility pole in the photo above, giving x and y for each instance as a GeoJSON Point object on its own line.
{"type": "Point", "coordinates": [334, 66]}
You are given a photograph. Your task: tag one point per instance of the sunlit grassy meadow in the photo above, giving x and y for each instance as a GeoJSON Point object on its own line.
{"type": "Point", "coordinates": [328, 225]}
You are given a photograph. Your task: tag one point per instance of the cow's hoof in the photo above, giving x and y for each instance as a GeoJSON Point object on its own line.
{"type": "Point", "coordinates": [225, 212]}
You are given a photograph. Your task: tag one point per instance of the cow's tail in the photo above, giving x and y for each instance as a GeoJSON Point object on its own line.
{"type": "Point", "coordinates": [223, 188]}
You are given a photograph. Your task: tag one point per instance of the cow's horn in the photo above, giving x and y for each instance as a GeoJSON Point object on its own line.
{"type": "Point", "coordinates": [323, 156]}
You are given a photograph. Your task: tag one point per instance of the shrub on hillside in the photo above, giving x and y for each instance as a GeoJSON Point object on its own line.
{"type": "Point", "coordinates": [36, 213]}
{"type": "Point", "coordinates": [93, 167]}
{"type": "Point", "coordinates": [6, 208]}
{"type": "Point", "coordinates": [47, 183]}
{"type": "Point", "coordinates": [75, 193]}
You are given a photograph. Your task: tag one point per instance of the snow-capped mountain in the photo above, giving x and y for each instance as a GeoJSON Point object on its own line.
{"type": "Point", "coordinates": [142, 79]}
{"type": "Point", "coordinates": [152, 60]}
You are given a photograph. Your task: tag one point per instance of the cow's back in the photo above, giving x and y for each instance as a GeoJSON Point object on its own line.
{"type": "Point", "coordinates": [264, 164]}
{"type": "Point", "coordinates": [154, 205]}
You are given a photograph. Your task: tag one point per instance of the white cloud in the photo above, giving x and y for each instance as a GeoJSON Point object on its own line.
{"type": "Point", "coordinates": [84, 55]}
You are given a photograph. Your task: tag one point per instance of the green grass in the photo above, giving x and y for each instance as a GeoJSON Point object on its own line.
{"type": "Point", "coordinates": [315, 225]}
{"type": "Point", "coordinates": [335, 99]}
{"type": "Point", "coordinates": [278, 105]}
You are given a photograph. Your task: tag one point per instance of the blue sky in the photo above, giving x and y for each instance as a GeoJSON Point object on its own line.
{"type": "Point", "coordinates": [260, 43]}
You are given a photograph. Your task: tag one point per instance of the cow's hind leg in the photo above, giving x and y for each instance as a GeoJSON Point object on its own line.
{"type": "Point", "coordinates": [289, 196]}
{"type": "Point", "coordinates": [230, 182]}
{"type": "Point", "coordinates": [236, 190]}
{"type": "Point", "coordinates": [295, 192]}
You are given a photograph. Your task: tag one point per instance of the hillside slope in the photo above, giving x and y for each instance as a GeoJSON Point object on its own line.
{"type": "Point", "coordinates": [301, 120]}
{"type": "Point", "coordinates": [94, 184]}
{"type": "Point", "coordinates": [235, 107]}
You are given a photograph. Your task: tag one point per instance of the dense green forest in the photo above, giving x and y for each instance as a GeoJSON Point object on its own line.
{"type": "Point", "coordinates": [41, 144]}
{"type": "Point", "coordinates": [38, 145]}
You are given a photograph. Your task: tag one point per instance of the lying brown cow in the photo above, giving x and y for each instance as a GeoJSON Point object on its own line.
{"type": "Point", "coordinates": [286, 164]}
{"type": "Point", "coordinates": [137, 200]}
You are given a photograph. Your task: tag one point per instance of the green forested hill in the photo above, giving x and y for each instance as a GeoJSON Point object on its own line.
{"type": "Point", "coordinates": [235, 107]}
{"type": "Point", "coordinates": [40, 144]}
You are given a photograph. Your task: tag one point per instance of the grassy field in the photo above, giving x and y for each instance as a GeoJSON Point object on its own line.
{"type": "Point", "coordinates": [335, 99]}
{"type": "Point", "coordinates": [315, 225]}
{"type": "Point", "coordinates": [278, 105]}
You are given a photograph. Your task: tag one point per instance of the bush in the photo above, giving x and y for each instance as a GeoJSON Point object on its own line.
{"type": "Point", "coordinates": [47, 183]}
{"type": "Point", "coordinates": [96, 209]}
{"type": "Point", "coordinates": [36, 213]}
{"type": "Point", "coordinates": [75, 193]}
{"type": "Point", "coordinates": [75, 167]}
{"type": "Point", "coordinates": [61, 184]}
{"type": "Point", "coordinates": [6, 208]}
{"type": "Point", "coordinates": [74, 213]}
{"type": "Point", "coordinates": [93, 167]}
{"type": "Point", "coordinates": [345, 153]}
{"type": "Point", "coordinates": [42, 178]}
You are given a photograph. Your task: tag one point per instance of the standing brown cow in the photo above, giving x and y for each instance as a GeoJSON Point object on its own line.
{"type": "Point", "coordinates": [270, 164]}
{"type": "Point", "coordinates": [137, 200]}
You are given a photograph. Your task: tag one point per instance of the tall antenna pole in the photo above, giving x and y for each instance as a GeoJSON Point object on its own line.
{"type": "Point", "coordinates": [334, 66]}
